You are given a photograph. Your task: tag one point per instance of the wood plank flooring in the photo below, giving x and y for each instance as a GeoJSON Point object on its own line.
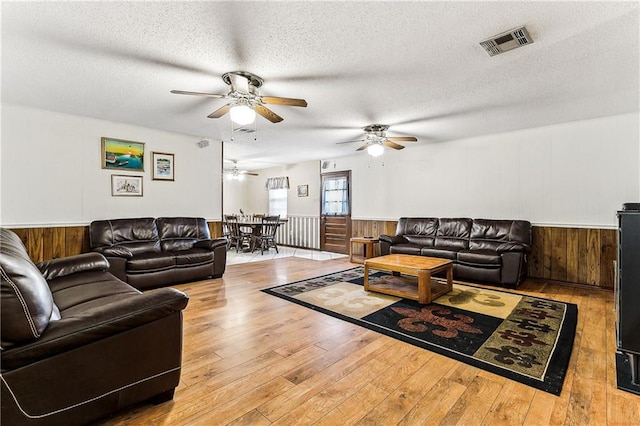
{"type": "Point", "coordinates": [254, 359]}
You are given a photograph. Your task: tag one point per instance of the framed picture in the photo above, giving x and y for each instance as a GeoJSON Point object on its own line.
{"type": "Point", "coordinates": [162, 164]}
{"type": "Point", "coordinates": [126, 186]}
{"type": "Point", "coordinates": [118, 154]}
{"type": "Point", "coordinates": [303, 190]}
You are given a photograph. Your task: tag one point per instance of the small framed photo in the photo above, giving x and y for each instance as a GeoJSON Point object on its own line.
{"type": "Point", "coordinates": [303, 190]}
{"type": "Point", "coordinates": [163, 166]}
{"type": "Point", "coordinates": [126, 186]}
{"type": "Point", "coordinates": [118, 154]}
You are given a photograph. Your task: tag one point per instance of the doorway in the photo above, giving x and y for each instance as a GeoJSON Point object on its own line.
{"type": "Point", "coordinates": [335, 211]}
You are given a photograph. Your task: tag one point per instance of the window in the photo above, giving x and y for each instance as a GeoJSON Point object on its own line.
{"type": "Point", "coordinates": [336, 196]}
{"type": "Point", "coordinates": [278, 202]}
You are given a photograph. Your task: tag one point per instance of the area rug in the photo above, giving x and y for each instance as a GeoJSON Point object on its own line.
{"type": "Point", "coordinates": [523, 338]}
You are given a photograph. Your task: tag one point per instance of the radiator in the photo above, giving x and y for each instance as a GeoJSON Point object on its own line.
{"type": "Point", "coordinates": [300, 231]}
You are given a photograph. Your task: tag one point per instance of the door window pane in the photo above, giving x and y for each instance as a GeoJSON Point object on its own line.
{"type": "Point", "coordinates": [335, 196]}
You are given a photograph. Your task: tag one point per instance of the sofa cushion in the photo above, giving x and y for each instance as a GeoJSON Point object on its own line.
{"type": "Point", "coordinates": [479, 258]}
{"type": "Point", "coordinates": [27, 304]}
{"type": "Point", "coordinates": [193, 256]}
{"type": "Point", "coordinates": [150, 262]}
{"type": "Point", "coordinates": [407, 248]}
{"type": "Point", "coordinates": [453, 233]}
{"type": "Point", "coordinates": [183, 227]}
{"type": "Point", "coordinates": [116, 231]}
{"type": "Point", "coordinates": [424, 226]}
{"type": "Point", "coordinates": [420, 240]}
{"type": "Point", "coordinates": [439, 252]}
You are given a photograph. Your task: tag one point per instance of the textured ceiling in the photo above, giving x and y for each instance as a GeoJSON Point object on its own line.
{"type": "Point", "coordinates": [416, 66]}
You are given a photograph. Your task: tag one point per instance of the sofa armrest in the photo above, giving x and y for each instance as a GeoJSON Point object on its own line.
{"type": "Point", "coordinates": [211, 244]}
{"type": "Point", "coordinates": [518, 247]}
{"type": "Point", "coordinates": [126, 313]}
{"type": "Point", "coordinates": [392, 239]}
{"type": "Point", "coordinates": [56, 268]}
{"type": "Point", "coordinates": [115, 251]}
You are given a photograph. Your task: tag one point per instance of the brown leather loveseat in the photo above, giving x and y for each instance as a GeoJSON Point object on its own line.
{"type": "Point", "coordinates": [79, 344]}
{"type": "Point", "coordinates": [486, 250]}
{"type": "Point", "coordinates": [148, 252]}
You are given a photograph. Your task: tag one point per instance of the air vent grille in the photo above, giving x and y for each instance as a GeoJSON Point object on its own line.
{"type": "Point", "coordinates": [506, 41]}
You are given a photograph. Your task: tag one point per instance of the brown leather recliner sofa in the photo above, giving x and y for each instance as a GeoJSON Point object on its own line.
{"type": "Point", "coordinates": [485, 250]}
{"type": "Point", "coordinates": [148, 252]}
{"type": "Point", "coordinates": [79, 344]}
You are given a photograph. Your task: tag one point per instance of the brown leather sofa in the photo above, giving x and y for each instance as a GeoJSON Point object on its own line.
{"type": "Point", "coordinates": [493, 251]}
{"type": "Point", "coordinates": [148, 252]}
{"type": "Point", "coordinates": [79, 344]}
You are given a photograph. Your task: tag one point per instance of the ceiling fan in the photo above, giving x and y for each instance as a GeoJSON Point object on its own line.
{"type": "Point", "coordinates": [375, 139]}
{"type": "Point", "coordinates": [245, 100]}
{"type": "Point", "coordinates": [237, 174]}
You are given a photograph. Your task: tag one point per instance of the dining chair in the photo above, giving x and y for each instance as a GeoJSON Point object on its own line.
{"type": "Point", "coordinates": [266, 237]}
{"type": "Point", "coordinates": [238, 237]}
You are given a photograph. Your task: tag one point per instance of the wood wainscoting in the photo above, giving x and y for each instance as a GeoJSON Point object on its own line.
{"type": "Point", "coordinates": [574, 255]}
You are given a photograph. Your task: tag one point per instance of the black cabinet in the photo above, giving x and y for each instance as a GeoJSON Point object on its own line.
{"type": "Point", "coordinates": [627, 291]}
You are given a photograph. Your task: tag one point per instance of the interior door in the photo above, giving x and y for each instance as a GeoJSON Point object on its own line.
{"type": "Point", "coordinates": [335, 212]}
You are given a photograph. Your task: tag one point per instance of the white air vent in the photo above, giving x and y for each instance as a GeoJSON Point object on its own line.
{"type": "Point", "coordinates": [506, 41]}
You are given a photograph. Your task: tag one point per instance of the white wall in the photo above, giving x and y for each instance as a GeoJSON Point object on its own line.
{"type": "Point", "coordinates": [254, 197]}
{"type": "Point", "coordinates": [51, 171]}
{"type": "Point", "coordinates": [572, 174]}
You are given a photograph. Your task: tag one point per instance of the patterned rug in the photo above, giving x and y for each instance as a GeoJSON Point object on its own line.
{"type": "Point", "coordinates": [523, 338]}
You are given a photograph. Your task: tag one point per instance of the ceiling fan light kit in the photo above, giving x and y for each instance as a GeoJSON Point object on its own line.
{"type": "Point", "coordinates": [375, 139]}
{"type": "Point", "coordinates": [242, 114]}
{"type": "Point", "coordinates": [375, 150]}
{"type": "Point", "coordinates": [245, 99]}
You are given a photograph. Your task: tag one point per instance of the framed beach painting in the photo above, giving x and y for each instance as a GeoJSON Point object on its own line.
{"type": "Point", "coordinates": [118, 154]}
{"type": "Point", "coordinates": [126, 186]}
{"type": "Point", "coordinates": [163, 166]}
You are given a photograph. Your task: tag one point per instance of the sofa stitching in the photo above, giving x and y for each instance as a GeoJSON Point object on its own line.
{"type": "Point", "coordinates": [40, 416]}
{"type": "Point", "coordinates": [111, 227]}
{"type": "Point", "coordinates": [25, 308]}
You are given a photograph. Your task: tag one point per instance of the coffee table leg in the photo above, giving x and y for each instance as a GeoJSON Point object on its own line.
{"type": "Point", "coordinates": [424, 287]}
{"type": "Point", "coordinates": [366, 276]}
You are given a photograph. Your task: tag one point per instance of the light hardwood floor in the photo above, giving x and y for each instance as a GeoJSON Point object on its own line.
{"type": "Point", "coordinates": [255, 359]}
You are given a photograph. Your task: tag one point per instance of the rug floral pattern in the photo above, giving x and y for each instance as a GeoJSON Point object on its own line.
{"type": "Point", "coordinates": [524, 338]}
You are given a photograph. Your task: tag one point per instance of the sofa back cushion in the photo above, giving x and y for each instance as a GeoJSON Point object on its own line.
{"type": "Point", "coordinates": [490, 234]}
{"type": "Point", "coordinates": [453, 233]}
{"type": "Point", "coordinates": [137, 234]}
{"type": "Point", "coordinates": [26, 303]}
{"type": "Point", "coordinates": [179, 233]}
{"type": "Point", "coordinates": [418, 226]}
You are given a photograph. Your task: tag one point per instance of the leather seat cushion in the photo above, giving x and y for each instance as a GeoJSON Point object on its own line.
{"type": "Point", "coordinates": [480, 257]}
{"type": "Point", "coordinates": [194, 256]}
{"type": "Point", "coordinates": [439, 252]}
{"type": "Point", "coordinates": [406, 249]}
{"type": "Point", "coordinates": [151, 261]}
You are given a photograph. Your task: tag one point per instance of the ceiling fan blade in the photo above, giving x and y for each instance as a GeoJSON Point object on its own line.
{"type": "Point", "coordinates": [239, 83]}
{"type": "Point", "coordinates": [244, 172]}
{"type": "Point", "coordinates": [268, 114]}
{"type": "Point", "coordinates": [220, 111]}
{"type": "Point", "coordinates": [392, 145]}
{"type": "Point", "coordinates": [403, 139]}
{"type": "Point", "coordinates": [274, 100]}
{"type": "Point", "coordinates": [363, 147]}
{"type": "Point", "coordinates": [210, 95]}
{"type": "Point", "coordinates": [339, 143]}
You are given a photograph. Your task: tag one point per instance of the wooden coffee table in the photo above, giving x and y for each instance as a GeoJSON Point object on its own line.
{"type": "Point", "coordinates": [418, 266]}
